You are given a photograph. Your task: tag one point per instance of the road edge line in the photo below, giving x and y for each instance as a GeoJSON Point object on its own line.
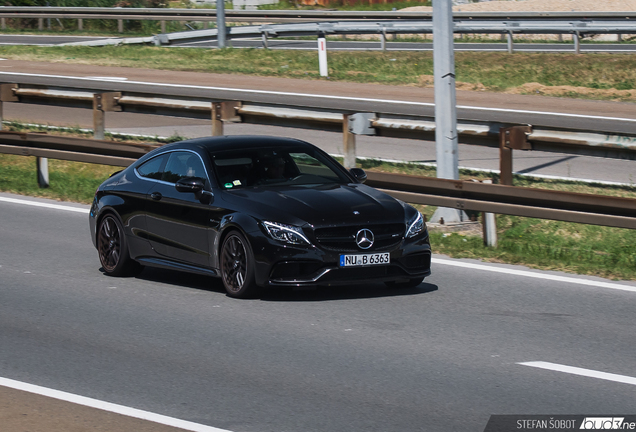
{"type": "Point", "coordinates": [107, 406]}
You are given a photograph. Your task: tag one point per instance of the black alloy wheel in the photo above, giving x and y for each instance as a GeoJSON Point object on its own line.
{"type": "Point", "coordinates": [112, 248]}
{"type": "Point", "coordinates": [237, 266]}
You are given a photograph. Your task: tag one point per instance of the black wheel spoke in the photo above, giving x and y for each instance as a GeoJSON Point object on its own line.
{"type": "Point", "coordinates": [234, 266]}
{"type": "Point", "coordinates": [109, 244]}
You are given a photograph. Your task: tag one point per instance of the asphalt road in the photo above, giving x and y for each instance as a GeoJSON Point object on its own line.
{"type": "Point", "coordinates": [441, 357]}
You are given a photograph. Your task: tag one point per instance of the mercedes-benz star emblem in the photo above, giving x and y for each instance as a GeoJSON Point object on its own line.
{"type": "Point", "coordinates": [364, 238]}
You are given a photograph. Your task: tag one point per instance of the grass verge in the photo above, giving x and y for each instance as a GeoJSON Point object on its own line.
{"type": "Point", "coordinates": [591, 76]}
{"type": "Point", "coordinates": [552, 245]}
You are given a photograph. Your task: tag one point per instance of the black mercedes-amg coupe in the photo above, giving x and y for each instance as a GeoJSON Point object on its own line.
{"type": "Point", "coordinates": [256, 211]}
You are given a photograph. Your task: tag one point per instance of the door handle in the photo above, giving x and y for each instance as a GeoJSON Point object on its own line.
{"type": "Point", "coordinates": [156, 196]}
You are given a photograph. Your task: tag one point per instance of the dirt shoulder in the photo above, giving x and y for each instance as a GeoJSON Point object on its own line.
{"type": "Point", "coordinates": [21, 411]}
{"type": "Point", "coordinates": [542, 6]}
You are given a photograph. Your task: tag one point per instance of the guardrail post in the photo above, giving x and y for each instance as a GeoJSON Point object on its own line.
{"type": "Point", "coordinates": [7, 94]}
{"type": "Point", "coordinates": [120, 26]}
{"type": "Point", "coordinates": [577, 42]}
{"type": "Point", "coordinates": [43, 171]}
{"type": "Point", "coordinates": [103, 102]}
{"type": "Point", "coordinates": [510, 43]}
{"type": "Point", "coordinates": [264, 39]}
{"type": "Point", "coordinates": [98, 117]}
{"type": "Point", "coordinates": [352, 125]}
{"type": "Point", "coordinates": [511, 138]}
{"type": "Point", "coordinates": [322, 55]}
{"type": "Point", "coordinates": [489, 226]}
{"type": "Point", "coordinates": [505, 160]}
{"type": "Point", "coordinates": [383, 40]}
{"type": "Point", "coordinates": [163, 26]}
{"type": "Point", "coordinates": [217, 122]}
{"type": "Point", "coordinates": [3, 23]}
{"type": "Point", "coordinates": [40, 24]}
{"type": "Point", "coordinates": [349, 143]}
{"type": "Point", "coordinates": [224, 112]}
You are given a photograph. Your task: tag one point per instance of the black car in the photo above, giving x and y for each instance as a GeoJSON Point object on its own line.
{"type": "Point", "coordinates": [256, 211]}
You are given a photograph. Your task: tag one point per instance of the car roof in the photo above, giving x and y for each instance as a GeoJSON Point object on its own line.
{"type": "Point", "coordinates": [238, 142]}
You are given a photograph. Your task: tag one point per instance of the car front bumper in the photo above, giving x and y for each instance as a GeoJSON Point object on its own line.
{"type": "Point", "coordinates": [292, 266]}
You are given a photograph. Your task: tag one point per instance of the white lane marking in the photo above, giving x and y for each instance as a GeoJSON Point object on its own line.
{"type": "Point", "coordinates": [45, 205]}
{"type": "Point", "coordinates": [107, 406]}
{"type": "Point", "coordinates": [348, 98]}
{"type": "Point", "coordinates": [106, 78]}
{"type": "Point", "coordinates": [536, 275]}
{"type": "Point", "coordinates": [582, 372]}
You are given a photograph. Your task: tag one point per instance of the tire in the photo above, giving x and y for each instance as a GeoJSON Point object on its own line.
{"type": "Point", "coordinates": [411, 283]}
{"type": "Point", "coordinates": [237, 266]}
{"type": "Point", "coordinates": [113, 248]}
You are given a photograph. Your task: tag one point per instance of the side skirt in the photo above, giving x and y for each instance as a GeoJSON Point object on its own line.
{"type": "Point", "coordinates": [172, 265]}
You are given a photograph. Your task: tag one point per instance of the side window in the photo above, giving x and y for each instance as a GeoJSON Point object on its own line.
{"type": "Point", "coordinates": [152, 168]}
{"type": "Point", "coordinates": [183, 164]}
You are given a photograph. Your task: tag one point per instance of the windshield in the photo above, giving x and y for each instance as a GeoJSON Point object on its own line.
{"type": "Point", "coordinates": [272, 166]}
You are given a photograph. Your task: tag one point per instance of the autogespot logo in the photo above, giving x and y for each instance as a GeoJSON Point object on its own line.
{"type": "Point", "coordinates": [364, 238]}
{"type": "Point", "coordinates": [602, 423]}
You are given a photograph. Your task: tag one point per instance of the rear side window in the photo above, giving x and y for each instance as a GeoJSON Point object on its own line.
{"type": "Point", "coordinates": [152, 168]}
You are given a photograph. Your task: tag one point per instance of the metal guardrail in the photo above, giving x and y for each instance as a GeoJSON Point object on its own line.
{"type": "Point", "coordinates": [502, 198]}
{"type": "Point", "coordinates": [463, 195]}
{"type": "Point", "coordinates": [517, 201]}
{"type": "Point", "coordinates": [337, 23]}
{"type": "Point", "coordinates": [384, 28]}
{"type": "Point", "coordinates": [590, 143]}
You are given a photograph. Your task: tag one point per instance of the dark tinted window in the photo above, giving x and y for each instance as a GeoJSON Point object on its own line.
{"type": "Point", "coordinates": [152, 168]}
{"type": "Point", "coordinates": [183, 164]}
{"type": "Point", "coordinates": [285, 166]}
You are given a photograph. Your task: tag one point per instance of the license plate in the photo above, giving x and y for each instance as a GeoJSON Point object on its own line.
{"type": "Point", "coordinates": [364, 259]}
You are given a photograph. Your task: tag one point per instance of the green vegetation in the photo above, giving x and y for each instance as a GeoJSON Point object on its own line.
{"type": "Point", "coordinates": [551, 245]}
{"type": "Point", "coordinates": [602, 76]}
{"type": "Point", "coordinates": [70, 181]}
{"type": "Point", "coordinates": [570, 247]}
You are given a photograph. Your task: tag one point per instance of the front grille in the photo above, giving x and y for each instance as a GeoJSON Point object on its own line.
{"type": "Point", "coordinates": [343, 239]}
{"type": "Point", "coordinates": [294, 270]}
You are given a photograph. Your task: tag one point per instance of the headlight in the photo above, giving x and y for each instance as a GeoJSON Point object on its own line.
{"type": "Point", "coordinates": [416, 226]}
{"type": "Point", "coordinates": [285, 233]}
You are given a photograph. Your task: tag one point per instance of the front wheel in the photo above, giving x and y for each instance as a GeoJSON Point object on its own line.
{"type": "Point", "coordinates": [113, 248]}
{"type": "Point", "coordinates": [237, 266]}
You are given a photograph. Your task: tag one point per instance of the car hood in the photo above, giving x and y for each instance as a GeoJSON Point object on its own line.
{"type": "Point", "coordinates": [319, 205]}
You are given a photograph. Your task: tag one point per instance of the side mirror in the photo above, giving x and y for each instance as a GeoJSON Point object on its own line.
{"type": "Point", "coordinates": [359, 174]}
{"type": "Point", "coordinates": [190, 184]}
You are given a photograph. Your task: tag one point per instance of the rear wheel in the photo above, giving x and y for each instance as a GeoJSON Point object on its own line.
{"type": "Point", "coordinates": [410, 283]}
{"type": "Point", "coordinates": [237, 266]}
{"type": "Point", "coordinates": [113, 248]}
